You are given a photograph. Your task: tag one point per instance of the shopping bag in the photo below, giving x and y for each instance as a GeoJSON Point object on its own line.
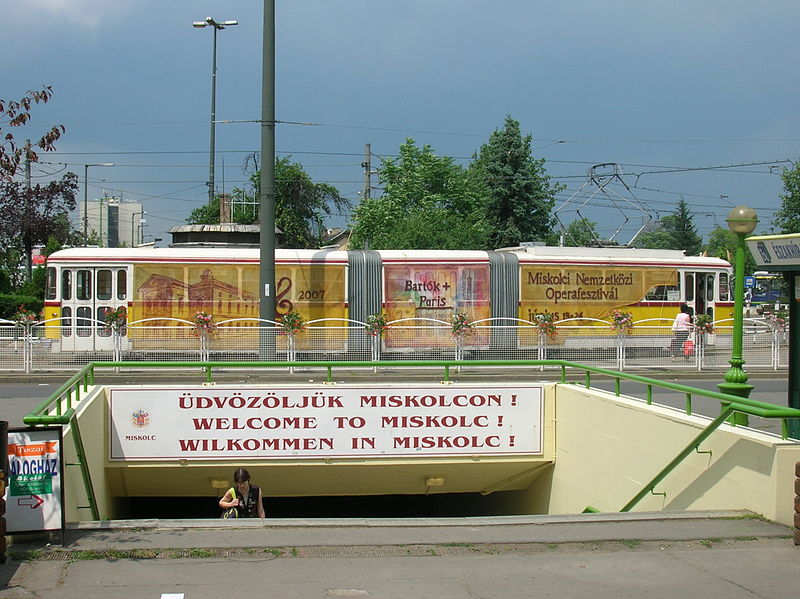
{"type": "Point", "coordinates": [688, 348]}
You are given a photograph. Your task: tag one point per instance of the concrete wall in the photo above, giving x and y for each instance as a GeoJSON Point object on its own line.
{"type": "Point", "coordinates": [92, 421]}
{"type": "Point", "coordinates": [609, 448]}
{"type": "Point", "coordinates": [599, 450]}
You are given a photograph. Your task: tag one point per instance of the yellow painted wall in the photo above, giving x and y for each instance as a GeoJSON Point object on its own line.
{"type": "Point", "coordinates": [91, 416]}
{"type": "Point", "coordinates": [608, 448]}
{"type": "Point", "coordinates": [598, 450]}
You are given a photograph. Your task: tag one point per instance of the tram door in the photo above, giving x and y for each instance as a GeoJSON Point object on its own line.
{"type": "Point", "coordinates": [700, 289]}
{"type": "Point", "coordinates": [87, 294]}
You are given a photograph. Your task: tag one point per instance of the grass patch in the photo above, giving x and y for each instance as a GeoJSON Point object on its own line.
{"type": "Point", "coordinates": [709, 542]}
{"type": "Point", "coordinates": [274, 552]}
{"type": "Point", "coordinates": [631, 542]}
{"type": "Point", "coordinates": [455, 545]}
{"type": "Point", "coordinates": [25, 555]}
{"type": "Point", "coordinates": [747, 517]}
{"type": "Point", "coordinates": [198, 552]}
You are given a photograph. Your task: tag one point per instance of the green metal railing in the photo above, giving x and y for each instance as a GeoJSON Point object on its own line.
{"type": "Point", "coordinates": [59, 408]}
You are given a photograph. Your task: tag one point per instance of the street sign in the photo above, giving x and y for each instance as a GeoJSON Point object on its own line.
{"type": "Point", "coordinates": [35, 495]}
{"type": "Point", "coordinates": [749, 282]}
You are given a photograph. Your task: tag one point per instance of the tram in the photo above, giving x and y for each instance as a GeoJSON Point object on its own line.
{"type": "Point", "coordinates": [157, 285]}
{"type": "Point", "coordinates": [770, 291]}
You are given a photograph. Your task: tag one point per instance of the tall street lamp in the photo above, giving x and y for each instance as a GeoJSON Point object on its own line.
{"type": "Point", "coordinates": [86, 200]}
{"type": "Point", "coordinates": [741, 221]}
{"type": "Point", "coordinates": [215, 26]}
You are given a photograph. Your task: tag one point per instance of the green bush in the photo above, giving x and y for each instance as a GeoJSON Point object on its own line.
{"type": "Point", "coordinates": [10, 303]}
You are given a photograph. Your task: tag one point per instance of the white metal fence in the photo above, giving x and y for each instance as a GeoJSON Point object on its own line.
{"type": "Point", "coordinates": [650, 344]}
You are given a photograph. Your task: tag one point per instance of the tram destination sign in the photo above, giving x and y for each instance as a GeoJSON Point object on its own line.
{"type": "Point", "coordinates": [291, 422]}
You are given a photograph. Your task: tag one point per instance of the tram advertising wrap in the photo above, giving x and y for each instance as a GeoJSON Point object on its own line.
{"type": "Point", "coordinates": [437, 292]}
{"type": "Point", "coordinates": [584, 291]}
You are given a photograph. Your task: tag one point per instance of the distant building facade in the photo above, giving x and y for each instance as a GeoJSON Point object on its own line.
{"type": "Point", "coordinates": [118, 223]}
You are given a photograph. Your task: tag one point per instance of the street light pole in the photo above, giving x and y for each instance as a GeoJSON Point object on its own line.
{"type": "Point", "coordinates": [86, 201]}
{"type": "Point", "coordinates": [215, 26]}
{"type": "Point", "coordinates": [741, 221]}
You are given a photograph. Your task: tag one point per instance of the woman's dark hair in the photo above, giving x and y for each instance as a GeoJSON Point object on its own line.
{"type": "Point", "coordinates": [684, 309]}
{"type": "Point", "coordinates": [241, 475]}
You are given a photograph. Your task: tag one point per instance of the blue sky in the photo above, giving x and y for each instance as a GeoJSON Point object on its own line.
{"type": "Point", "coordinates": [684, 87]}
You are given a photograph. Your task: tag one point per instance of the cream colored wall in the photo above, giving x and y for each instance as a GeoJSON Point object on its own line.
{"type": "Point", "coordinates": [599, 450]}
{"type": "Point", "coordinates": [91, 415]}
{"type": "Point", "coordinates": [609, 448]}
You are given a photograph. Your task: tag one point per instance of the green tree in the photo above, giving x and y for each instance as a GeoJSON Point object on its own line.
{"type": "Point", "coordinates": [581, 233]}
{"type": "Point", "coordinates": [16, 113]}
{"type": "Point", "coordinates": [674, 232]}
{"type": "Point", "coordinates": [301, 205]}
{"type": "Point", "coordinates": [429, 202]}
{"type": "Point", "coordinates": [787, 219]}
{"type": "Point", "coordinates": [30, 214]}
{"type": "Point", "coordinates": [520, 194]}
{"type": "Point", "coordinates": [722, 244]}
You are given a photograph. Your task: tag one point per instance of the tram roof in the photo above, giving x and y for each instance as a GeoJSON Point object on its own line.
{"type": "Point", "coordinates": [195, 254]}
{"type": "Point", "coordinates": [613, 254]}
{"type": "Point", "coordinates": [97, 255]}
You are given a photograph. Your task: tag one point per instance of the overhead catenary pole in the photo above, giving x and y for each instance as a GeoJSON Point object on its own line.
{"type": "Point", "coordinates": [367, 166]}
{"type": "Point", "coordinates": [267, 197]}
{"type": "Point", "coordinates": [27, 225]}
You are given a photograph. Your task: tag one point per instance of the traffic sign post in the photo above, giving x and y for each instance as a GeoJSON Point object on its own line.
{"type": "Point", "coordinates": [3, 474]}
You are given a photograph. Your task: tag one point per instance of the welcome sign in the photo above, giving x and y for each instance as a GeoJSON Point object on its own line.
{"type": "Point", "coordinates": [343, 421]}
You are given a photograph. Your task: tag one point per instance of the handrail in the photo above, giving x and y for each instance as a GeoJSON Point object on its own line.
{"type": "Point", "coordinates": [86, 376]}
{"type": "Point", "coordinates": [729, 403]}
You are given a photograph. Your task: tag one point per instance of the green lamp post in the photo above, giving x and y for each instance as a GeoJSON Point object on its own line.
{"type": "Point", "coordinates": [741, 221]}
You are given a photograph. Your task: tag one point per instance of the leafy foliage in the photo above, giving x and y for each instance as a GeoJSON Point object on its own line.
{"type": "Point", "coordinates": [300, 204]}
{"type": "Point", "coordinates": [10, 303]}
{"type": "Point", "coordinates": [16, 113]}
{"type": "Point", "coordinates": [429, 202]}
{"type": "Point", "coordinates": [461, 325]}
{"type": "Point", "coordinates": [787, 219]}
{"type": "Point", "coordinates": [621, 322]}
{"type": "Point", "coordinates": [722, 244]}
{"type": "Point", "coordinates": [581, 233]}
{"type": "Point", "coordinates": [30, 216]}
{"type": "Point", "coordinates": [520, 195]}
{"type": "Point", "coordinates": [675, 232]}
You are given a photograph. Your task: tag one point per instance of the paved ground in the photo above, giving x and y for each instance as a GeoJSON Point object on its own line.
{"type": "Point", "coordinates": [600, 555]}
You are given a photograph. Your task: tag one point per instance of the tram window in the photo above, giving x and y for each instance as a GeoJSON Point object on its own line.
{"type": "Point", "coordinates": [103, 285]}
{"type": "Point", "coordinates": [84, 321]}
{"type": "Point", "coordinates": [662, 293]}
{"type": "Point", "coordinates": [122, 284]}
{"type": "Point", "coordinates": [101, 317]}
{"type": "Point", "coordinates": [723, 286]}
{"type": "Point", "coordinates": [66, 284]}
{"type": "Point", "coordinates": [50, 287]}
{"type": "Point", "coordinates": [83, 284]}
{"type": "Point", "coordinates": [689, 287]}
{"type": "Point", "coordinates": [66, 321]}
{"type": "Point", "coordinates": [710, 287]}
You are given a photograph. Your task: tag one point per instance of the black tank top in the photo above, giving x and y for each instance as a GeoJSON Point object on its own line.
{"type": "Point", "coordinates": [248, 503]}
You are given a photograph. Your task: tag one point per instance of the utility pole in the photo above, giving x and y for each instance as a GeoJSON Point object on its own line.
{"type": "Point", "coordinates": [267, 199]}
{"type": "Point", "coordinates": [26, 231]}
{"type": "Point", "coordinates": [367, 166]}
